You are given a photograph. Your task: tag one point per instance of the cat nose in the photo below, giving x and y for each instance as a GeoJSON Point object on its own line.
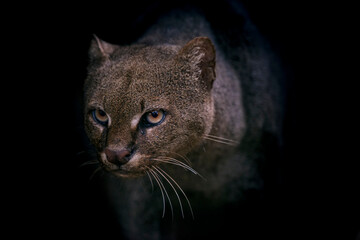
{"type": "Point", "coordinates": [117, 157]}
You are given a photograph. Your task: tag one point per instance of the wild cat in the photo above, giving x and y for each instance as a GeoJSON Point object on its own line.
{"type": "Point", "coordinates": [178, 111]}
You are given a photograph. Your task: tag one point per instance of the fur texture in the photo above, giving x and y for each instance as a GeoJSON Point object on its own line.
{"type": "Point", "coordinates": [212, 119]}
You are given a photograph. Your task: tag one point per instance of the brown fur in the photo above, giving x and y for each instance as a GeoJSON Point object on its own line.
{"type": "Point", "coordinates": [183, 71]}
{"type": "Point", "coordinates": [131, 81]}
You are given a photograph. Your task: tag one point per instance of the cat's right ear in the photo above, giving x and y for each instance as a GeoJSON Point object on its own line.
{"type": "Point", "coordinates": [100, 49]}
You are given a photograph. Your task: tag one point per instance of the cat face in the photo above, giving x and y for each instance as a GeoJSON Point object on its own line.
{"type": "Point", "coordinates": [144, 104]}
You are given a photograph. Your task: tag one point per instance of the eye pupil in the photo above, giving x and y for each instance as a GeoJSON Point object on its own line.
{"type": "Point", "coordinates": [154, 114]}
{"type": "Point", "coordinates": [101, 113]}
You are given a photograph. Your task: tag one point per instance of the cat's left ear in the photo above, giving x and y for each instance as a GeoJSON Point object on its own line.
{"type": "Point", "coordinates": [200, 54]}
{"type": "Point", "coordinates": [99, 49]}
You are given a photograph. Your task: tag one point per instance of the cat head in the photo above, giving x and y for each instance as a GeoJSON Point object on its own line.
{"type": "Point", "coordinates": [145, 103]}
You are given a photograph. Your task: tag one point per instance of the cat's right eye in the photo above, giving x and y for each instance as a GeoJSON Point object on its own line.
{"type": "Point", "coordinates": [100, 117]}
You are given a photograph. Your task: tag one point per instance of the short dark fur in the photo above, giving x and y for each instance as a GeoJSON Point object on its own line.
{"type": "Point", "coordinates": [178, 67]}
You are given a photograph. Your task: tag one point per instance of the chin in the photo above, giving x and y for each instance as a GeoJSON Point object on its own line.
{"type": "Point", "coordinates": [127, 174]}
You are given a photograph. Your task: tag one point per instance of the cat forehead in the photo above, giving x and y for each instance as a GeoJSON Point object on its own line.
{"type": "Point", "coordinates": [145, 53]}
{"type": "Point", "coordinates": [147, 73]}
{"type": "Point", "coordinates": [143, 78]}
{"type": "Point", "coordinates": [134, 87]}
{"type": "Point", "coordinates": [145, 64]}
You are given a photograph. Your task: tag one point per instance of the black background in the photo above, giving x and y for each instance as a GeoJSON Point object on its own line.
{"type": "Point", "coordinates": [46, 193]}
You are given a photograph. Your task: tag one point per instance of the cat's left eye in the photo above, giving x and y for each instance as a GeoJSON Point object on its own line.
{"type": "Point", "coordinates": [154, 118]}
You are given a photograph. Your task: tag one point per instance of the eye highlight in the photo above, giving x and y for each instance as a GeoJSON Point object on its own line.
{"type": "Point", "coordinates": [154, 118]}
{"type": "Point", "coordinates": [100, 117]}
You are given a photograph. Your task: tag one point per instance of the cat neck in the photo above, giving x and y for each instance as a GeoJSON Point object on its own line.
{"type": "Point", "coordinates": [229, 120]}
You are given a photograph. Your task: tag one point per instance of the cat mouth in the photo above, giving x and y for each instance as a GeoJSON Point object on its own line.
{"type": "Point", "coordinates": [141, 164]}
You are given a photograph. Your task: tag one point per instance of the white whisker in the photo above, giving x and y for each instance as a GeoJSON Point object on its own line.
{"type": "Point", "coordinates": [152, 185]}
{"type": "Point", "coordinates": [179, 155]}
{"type": "Point", "coordinates": [180, 190]}
{"type": "Point", "coordinates": [223, 141]}
{"type": "Point", "coordinates": [180, 164]}
{"type": "Point", "coordinates": [221, 138]}
{"type": "Point", "coordinates": [181, 207]}
{"type": "Point", "coordinates": [167, 195]}
{"type": "Point", "coordinates": [176, 162]}
{"type": "Point", "coordinates": [162, 192]}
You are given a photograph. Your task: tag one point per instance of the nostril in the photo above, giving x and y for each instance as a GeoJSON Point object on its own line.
{"type": "Point", "coordinates": [123, 154]}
